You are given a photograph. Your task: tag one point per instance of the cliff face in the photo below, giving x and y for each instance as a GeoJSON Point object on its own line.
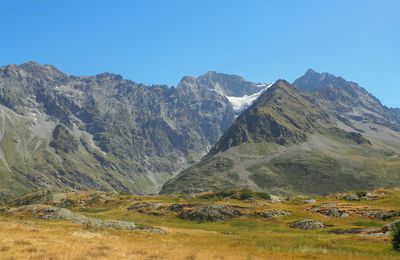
{"type": "Point", "coordinates": [104, 132]}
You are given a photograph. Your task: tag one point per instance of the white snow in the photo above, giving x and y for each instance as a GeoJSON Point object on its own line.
{"type": "Point", "coordinates": [240, 103]}
{"type": "Point", "coordinates": [34, 116]}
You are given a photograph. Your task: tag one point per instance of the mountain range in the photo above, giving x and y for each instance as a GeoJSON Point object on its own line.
{"type": "Point", "coordinates": [218, 131]}
{"type": "Point", "coordinates": [104, 132]}
{"type": "Point", "coordinates": [319, 135]}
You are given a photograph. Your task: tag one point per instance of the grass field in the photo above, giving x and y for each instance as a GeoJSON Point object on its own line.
{"type": "Point", "coordinates": [246, 237]}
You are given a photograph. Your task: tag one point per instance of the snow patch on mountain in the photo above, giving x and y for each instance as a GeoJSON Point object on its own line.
{"type": "Point", "coordinates": [243, 102]}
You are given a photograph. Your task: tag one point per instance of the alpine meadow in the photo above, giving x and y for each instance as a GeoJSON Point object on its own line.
{"type": "Point", "coordinates": [199, 129]}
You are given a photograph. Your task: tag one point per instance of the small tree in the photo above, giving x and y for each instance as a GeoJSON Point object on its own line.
{"type": "Point", "coordinates": [396, 237]}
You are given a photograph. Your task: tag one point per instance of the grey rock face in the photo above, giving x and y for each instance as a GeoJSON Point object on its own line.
{"type": "Point", "coordinates": [348, 99]}
{"type": "Point", "coordinates": [109, 133]}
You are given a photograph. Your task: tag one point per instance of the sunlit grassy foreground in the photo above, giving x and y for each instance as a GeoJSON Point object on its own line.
{"type": "Point", "coordinates": [244, 237]}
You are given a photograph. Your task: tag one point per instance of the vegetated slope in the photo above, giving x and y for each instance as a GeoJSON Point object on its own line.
{"type": "Point", "coordinates": [325, 135]}
{"type": "Point", "coordinates": [105, 132]}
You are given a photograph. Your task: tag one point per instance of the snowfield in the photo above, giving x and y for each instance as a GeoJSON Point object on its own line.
{"type": "Point", "coordinates": [243, 102]}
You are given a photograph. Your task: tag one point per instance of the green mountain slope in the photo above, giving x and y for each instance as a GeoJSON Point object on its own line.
{"type": "Point", "coordinates": [324, 136]}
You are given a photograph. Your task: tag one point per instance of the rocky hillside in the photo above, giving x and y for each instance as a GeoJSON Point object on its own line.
{"type": "Point", "coordinates": [105, 132]}
{"type": "Point", "coordinates": [323, 134]}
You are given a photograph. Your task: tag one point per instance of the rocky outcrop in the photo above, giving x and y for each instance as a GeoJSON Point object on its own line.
{"type": "Point", "coordinates": [145, 205]}
{"type": "Point", "coordinates": [274, 213]}
{"type": "Point", "coordinates": [382, 231]}
{"type": "Point", "coordinates": [307, 224]}
{"type": "Point", "coordinates": [352, 197]}
{"type": "Point", "coordinates": [210, 213]}
{"type": "Point", "coordinates": [345, 210]}
{"type": "Point", "coordinates": [356, 231]}
{"type": "Point", "coordinates": [330, 210]}
{"type": "Point", "coordinates": [381, 214]}
{"type": "Point", "coordinates": [63, 140]}
{"type": "Point", "coordinates": [55, 213]}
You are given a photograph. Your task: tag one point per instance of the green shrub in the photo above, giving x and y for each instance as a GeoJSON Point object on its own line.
{"type": "Point", "coordinates": [396, 237]}
{"type": "Point", "coordinates": [219, 195]}
{"type": "Point", "coordinates": [94, 198]}
{"type": "Point", "coordinates": [225, 193]}
{"type": "Point", "coordinates": [263, 195]}
{"type": "Point", "coordinates": [361, 194]}
{"type": "Point", "coordinates": [367, 224]}
{"type": "Point", "coordinates": [208, 196]}
{"type": "Point", "coordinates": [246, 194]}
{"type": "Point", "coordinates": [69, 203]}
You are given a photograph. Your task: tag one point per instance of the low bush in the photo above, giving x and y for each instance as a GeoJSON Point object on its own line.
{"type": "Point", "coordinates": [263, 195]}
{"type": "Point", "coordinates": [361, 194]}
{"type": "Point", "coordinates": [247, 194]}
{"type": "Point", "coordinates": [243, 194]}
{"type": "Point", "coordinates": [396, 238]}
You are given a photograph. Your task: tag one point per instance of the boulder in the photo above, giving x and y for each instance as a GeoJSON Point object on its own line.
{"type": "Point", "coordinates": [330, 210]}
{"type": "Point", "coordinates": [307, 224]}
{"type": "Point", "coordinates": [179, 207]}
{"type": "Point", "coordinates": [210, 213]}
{"type": "Point", "coordinates": [145, 205]}
{"type": "Point", "coordinates": [352, 197]}
{"type": "Point", "coordinates": [391, 226]}
{"type": "Point", "coordinates": [275, 213]}
{"type": "Point", "coordinates": [381, 214]}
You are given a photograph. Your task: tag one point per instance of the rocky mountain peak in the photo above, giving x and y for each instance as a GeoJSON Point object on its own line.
{"type": "Point", "coordinates": [345, 96]}
{"type": "Point", "coordinates": [283, 114]}
{"type": "Point", "coordinates": [35, 70]}
{"type": "Point", "coordinates": [312, 81]}
{"type": "Point", "coordinates": [230, 85]}
{"type": "Point", "coordinates": [109, 76]}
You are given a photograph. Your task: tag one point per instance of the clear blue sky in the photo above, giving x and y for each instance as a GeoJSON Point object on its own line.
{"type": "Point", "coordinates": [160, 41]}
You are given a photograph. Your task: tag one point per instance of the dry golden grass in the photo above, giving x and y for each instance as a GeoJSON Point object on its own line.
{"type": "Point", "coordinates": [242, 238]}
{"type": "Point", "coordinates": [60, 240]}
